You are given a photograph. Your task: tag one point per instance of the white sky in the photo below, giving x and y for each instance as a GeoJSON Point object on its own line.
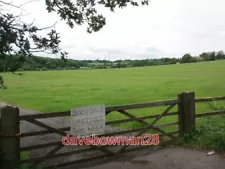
{"type": "Point", "coordinates": [165, 28]}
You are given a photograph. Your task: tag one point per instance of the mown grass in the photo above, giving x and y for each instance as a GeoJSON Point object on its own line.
{"type": "Point", "coordinates": [51, 91]}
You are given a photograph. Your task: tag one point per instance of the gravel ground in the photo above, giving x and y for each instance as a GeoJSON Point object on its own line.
{"type": "Point", "coordinates": [166, 158]}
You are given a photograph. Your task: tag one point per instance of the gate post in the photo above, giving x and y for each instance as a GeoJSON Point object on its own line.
{"type": "Point", "coordinates": [186, 112]}
{"type": "Point", "coordinates": [10, 140]}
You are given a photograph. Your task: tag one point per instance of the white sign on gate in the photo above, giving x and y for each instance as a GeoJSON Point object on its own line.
{"type": "Point", "coordinates": [86, 121]}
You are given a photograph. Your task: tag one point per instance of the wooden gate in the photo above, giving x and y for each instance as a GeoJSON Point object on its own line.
{"type": "Point", "coordinates": [12, 135]}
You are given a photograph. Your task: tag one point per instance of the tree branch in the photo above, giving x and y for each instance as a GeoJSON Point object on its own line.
{"type": "Point", "coordinates": [27, 2]}
{"type": "Point", "coordinates": [9, 4]}
{"type": "Point", "coordinates": [48, 27]}
{"type": "Point", "coordinates": [17, 6]}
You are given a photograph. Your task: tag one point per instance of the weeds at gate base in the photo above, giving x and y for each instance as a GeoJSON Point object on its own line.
{"type": "Point", "coordinates": [210, 134]}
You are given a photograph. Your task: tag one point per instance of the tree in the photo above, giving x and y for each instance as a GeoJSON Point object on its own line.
{"type": "Point", "coordinates": [22, 39]}
{"type": "Point", "coordinates": [204, 56]}
{"type": "Point", "coordinates": [212, 56]}
{"type": "Point", "coordinates": [209, 56]}
{"type": "Point", "coordinates": [220, 55]}
{"type": "Point", "coordinates": [186, 58]}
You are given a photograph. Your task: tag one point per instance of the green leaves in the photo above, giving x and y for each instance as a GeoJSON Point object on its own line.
{"type": "Point", "coordinates": [22, 39]}
{"type": "Point", "coordinates": [84, 11]}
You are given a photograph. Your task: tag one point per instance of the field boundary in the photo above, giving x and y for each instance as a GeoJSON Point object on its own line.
{"type": "Point", "coordinates": [186, 113]}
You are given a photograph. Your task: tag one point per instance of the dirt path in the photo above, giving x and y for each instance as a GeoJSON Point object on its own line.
{"type": "Point", "coordinates": [168, 158]}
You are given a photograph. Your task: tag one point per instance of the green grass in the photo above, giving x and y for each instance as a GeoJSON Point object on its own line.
{"type": "Point", "coordinates": [61, 90]}
{"type": "Point", "coordinates": [51, 91]}
{"type": "Point", "coordinates": [210, 134]}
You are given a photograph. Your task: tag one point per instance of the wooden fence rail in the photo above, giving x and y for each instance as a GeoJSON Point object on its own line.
{"type": "Point", "coordinates": [108, 109]}
{"type": "Point", "coordinates": [219, 112]}
{"type": "Point", "coordinates": [186, 113]}
{"type": "Point", "coordinates": [208, 99]}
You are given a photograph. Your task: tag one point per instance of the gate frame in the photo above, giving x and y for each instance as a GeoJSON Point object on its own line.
{"type": "Point", "coordinates": [10, 120]}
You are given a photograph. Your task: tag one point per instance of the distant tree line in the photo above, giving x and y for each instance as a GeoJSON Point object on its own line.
{"type": "Point", "coordinates": [45, 63]}
{"type": "Point", "coordinates": [206, 56]}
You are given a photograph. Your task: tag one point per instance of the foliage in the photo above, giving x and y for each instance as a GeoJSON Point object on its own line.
{"type": "Point", "coordinates": [23, 39]}
{"type": "Point", "coordinates": [44, 63]}
{"type": "Point", "coordinates": [210, 133]}
{"type": "Point", "coordinates": [186, 58]}
{"type": "Point", "coordinates": [211, 56]}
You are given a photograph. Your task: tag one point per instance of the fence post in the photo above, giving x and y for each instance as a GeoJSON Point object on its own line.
{"type": "Point", "coordinates": [10, 142]}
{"type": "Point", "coordinates": [0, 139]}
{"type": "Point", "coordinates": [186, 111]}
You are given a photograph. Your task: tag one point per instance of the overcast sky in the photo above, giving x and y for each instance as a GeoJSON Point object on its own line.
{"type": "Point", "coordinates": [165, 28]}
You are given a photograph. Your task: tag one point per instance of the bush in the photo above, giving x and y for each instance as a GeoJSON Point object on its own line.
{"type": "Point", "coordinates": [209, 134]}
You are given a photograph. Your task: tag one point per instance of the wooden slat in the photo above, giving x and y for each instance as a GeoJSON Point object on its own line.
{"type": "Point", "coordinates": [38, 123]}
{"type": "Point", "coordinates": [108, 109]}
{"type": "Point", "coordinates": [50, 153]}
{"type": "Point", "coordinates": [42, 132]}
{"type": "Point", "coordinates": [219, 112]}
{"type": "Point", "coordinates": [45, 126]}
{"type": "Point", "coordinates": [141, 121]}
{"type": "Point", "coordinates": [148, 126]}
{"type": "Point", "coordinates": [45, 145]}
{"type": "Point", "coordinates": [143, 105]}
{"type": "Point", "coordinates": [35, 133]}
{"type": "Point", "coordinates": [139, 118]}
{"type": "Point", "coordinates": [67, 128]}
{"type": "Point", "coordinates": [166, 124]}
{"type": "Point", "coordinates": [132, 117]}
{"type": "Point", "coordinates": [207, 99]}
{"type": "Point", "coordinates": [104, 156]}
{"type": "Point", "coordinates": [45, 115]}
{"type": "Point", "coordinates": [55, 149]}
{"type": "Point", "coordinates": [77, 151]}
{"type": "Point", "coordinates": [162, 131]}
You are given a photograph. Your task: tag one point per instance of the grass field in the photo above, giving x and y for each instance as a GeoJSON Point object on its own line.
{"type": "Point", "coordinates": [61, 90]}
{"type": "Point", "coordinates": [51, 91]}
